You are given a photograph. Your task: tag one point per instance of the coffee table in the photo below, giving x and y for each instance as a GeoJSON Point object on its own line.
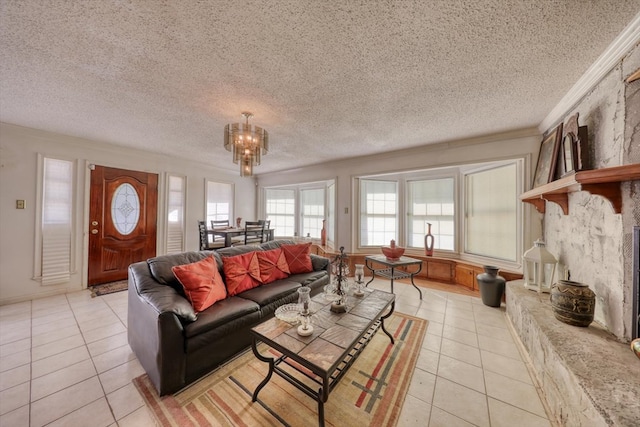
{"type": "Point", "coordinates": [336, 342]}
{"type": "Point", "coordinates": [389, 269]}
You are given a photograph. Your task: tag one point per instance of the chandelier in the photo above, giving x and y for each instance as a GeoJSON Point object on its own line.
{"type": "Point", "coordinates": [247, 142]}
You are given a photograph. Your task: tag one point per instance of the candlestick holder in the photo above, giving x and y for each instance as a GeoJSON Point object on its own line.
{"type": "Point", "coordinates": [359, 275]}
{"type": "Point", "coordinates": [304, 299]}
{"type": "Point", "coordinates": [336, 291]}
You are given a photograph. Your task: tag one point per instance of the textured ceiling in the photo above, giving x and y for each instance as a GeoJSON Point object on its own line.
{"type": "Point", "coordinates": [327, 79]}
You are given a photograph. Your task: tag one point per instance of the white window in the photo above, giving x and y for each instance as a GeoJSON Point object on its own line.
{"type": "Point", "coordinates": [280, 209]}
{"type": "Point", "coordinates": [219, 202]}
{"type": "Point", "coordinates": [56, 221]}
{"type": "Point", "coordinates": [491, 212]}
{"type": "Point", "coordinates": [431, 201]}
{"type": "Point", "coordinates": [175, 213]}
{"type": "Point", "coordinates": [312, 210]}
{"type": "Point", "coordinates": [378, 212]}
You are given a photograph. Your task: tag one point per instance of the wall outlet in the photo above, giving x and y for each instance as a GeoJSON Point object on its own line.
{"type": "Point", "coordinates": [346, 210]}
{"type": "Point", "coordinates": [20, 204]}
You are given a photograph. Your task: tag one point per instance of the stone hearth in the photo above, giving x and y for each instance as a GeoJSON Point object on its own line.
{"type": "Point", "coordinates": [588, 377]}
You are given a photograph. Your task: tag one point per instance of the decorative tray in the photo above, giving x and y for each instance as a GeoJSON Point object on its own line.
{"type": "Point", "coordinates": [288, 313]}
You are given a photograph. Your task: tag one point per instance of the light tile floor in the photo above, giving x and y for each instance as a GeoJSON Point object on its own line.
{"type": "Point", "coordinates": [65, 361]}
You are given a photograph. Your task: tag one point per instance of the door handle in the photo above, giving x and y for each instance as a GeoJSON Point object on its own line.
{"type": "Point", "coordinates": [94, 231]}
{"type": "Point", "coordinates": [94, 223]}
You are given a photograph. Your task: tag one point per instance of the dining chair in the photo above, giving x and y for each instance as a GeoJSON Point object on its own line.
{"type": "Point", "coordinates": [253, 232]}
{"type": "Point", "coordinates": [267, 228]}
{"type": "Point", "coordinates": [218, 241]}
{"type": "Point", "coordinates": [204, 236]}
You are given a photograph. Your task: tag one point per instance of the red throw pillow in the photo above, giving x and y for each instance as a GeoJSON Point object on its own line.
{"type": "Point", "coordinates": [242, 272]}
{"type": "Point", "coordinates": [298, 257]}
{"type": "Point", "coordinates": [273, 265]}
{"type": "Point", "coordinates": [202, 283]}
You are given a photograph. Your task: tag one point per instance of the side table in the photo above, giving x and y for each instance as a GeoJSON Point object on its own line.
{"type": "Point", "coordinates": [390, 268]}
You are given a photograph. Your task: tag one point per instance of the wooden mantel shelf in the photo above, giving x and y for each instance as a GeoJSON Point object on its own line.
{"type": "Point", "coordinates": [604, 182]}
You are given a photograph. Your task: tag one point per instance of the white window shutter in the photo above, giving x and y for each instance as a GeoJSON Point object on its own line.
{"type": "Point", "coordinates": [57, 200]}
{"type": "Point", "coordinates": [175, 214]}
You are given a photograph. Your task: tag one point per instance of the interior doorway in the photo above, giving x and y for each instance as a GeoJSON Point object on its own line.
{"type": "Point", "coordinates": [122, 222]}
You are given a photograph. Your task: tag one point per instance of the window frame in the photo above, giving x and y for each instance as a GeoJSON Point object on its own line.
{"type": "Point", "coordinates": [273, 221]}
{"type": "Point", "coordinates": [39, 216]}
{"type": "Point", "coordinates": [519, 248]}
{"type": "Point", "coordinates": [396, 216]}
{"type": "Point", "coordinates": [232, 198]}
{"type": "Point", "coordinates": [431, 177]}
{"type": "Point", "coordinates": [457, 172]}
{"type": "Point", "coordinates": [298, 215]}
{"type": "Point", "coordinates": [168, 207]}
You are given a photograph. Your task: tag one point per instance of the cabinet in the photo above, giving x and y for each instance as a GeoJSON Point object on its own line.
{"type": "Point", "coordinates": [604, 182]}
{"type": "Point", "coordinates": [444, 270]}
{"type": "Point", "coordinates": [440, 269]}
{"type": "Point", "coordinates": [466, 275]}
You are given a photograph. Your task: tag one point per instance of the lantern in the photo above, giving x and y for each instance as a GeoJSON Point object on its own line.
{"type": "Point", "coordinates": [539, 267]}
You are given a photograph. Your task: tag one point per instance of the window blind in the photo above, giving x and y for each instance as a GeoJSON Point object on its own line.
{"type": "Point", "coordinates": [378, 212]}
{"type": "Point", "coordinates": [175, 214]}
{"type": "Point", "coordinates": [57, 200]}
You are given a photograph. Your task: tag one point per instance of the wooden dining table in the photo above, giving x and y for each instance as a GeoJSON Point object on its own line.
{"type": "Point", "coordinates": [230, 232]}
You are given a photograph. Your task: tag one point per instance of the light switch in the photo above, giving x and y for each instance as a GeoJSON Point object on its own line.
{"type": "Point", "coordinates": [346, 210]}
{"type": "Point", "coordinates": [19, 204]}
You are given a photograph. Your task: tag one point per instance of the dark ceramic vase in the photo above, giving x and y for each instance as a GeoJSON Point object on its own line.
{"type": "Point", "coordinates": [573, 302]}
{"type": "Point", "coordinates": [491, 286]}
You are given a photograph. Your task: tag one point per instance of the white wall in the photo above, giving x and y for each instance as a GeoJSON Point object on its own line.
{"type": "Point", "coordinates": [590, 241]}
{"type": "Point", "coordinates": [19, 148]}
{"type": "Point", "coordinates": [521, 144]}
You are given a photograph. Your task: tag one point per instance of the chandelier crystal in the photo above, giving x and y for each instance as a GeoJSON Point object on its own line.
{"type": "Point", "coordinates": [247, 142]}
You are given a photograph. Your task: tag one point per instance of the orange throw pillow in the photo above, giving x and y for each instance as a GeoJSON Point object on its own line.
{"type": "Point", "coordinates": [298, 257]}
{"type": "Point", "coordinates": [242, 272]}
{"type": "Point", "coordinates": [273, 265]}
{"type": "Point", "coordinates": [202, 283]}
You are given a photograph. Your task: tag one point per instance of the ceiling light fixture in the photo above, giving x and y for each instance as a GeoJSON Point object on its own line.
{"type": "Point", "coordinates": [248, 143]}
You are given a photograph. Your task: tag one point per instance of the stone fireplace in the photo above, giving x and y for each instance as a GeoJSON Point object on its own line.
{"type": "Point", "coordinates": [590, 376]}
{"type": "Point", "coordinates": [635, 313]}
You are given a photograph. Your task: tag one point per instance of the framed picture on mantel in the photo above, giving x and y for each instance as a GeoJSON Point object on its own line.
{"type": "Point", "coordinates": [547, 158]}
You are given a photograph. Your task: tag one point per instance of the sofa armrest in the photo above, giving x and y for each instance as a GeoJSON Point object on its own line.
{"type": "Point", "coordinates": [156, 333]}
{"type": "Point", "coordinates": [319, 263]}
{"type": "Point", "coordinates": [163, 298]}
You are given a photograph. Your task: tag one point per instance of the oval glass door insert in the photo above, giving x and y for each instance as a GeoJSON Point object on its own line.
{"type": "Point", "coordinates": [125, 209]}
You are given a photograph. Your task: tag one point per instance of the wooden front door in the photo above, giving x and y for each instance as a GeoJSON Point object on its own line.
{"type": "Point", "coordinates": [122, 222]}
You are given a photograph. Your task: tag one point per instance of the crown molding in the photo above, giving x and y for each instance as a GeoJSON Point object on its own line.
{"type": "Point", "coordinates": [622, 44]}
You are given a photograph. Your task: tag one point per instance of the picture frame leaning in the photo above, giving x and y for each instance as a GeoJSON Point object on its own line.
{"type": "Point", "coordinates": [546, 168]}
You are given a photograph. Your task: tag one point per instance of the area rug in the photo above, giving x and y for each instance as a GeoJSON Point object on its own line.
{"type": "Point", "coordinates": [109, 288]}
{"type": "Point", "coordinates": [370, 394]}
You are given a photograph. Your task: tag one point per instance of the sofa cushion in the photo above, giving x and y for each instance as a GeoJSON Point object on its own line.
{"type": "Point", "coordinates": [298, 257]}
{"type": "Point", "coordinates": [219, 314]}
{"type": "Point", "coordinates": [305, 279]}
{"type": "Point", "coordinates": [241, 272]}
{"type": "Point", "coordinates": [273, 265]}
{"type": "Point", "coordinates": [264, 295]}
{"type": "Point", "coordinates": [274, 244]}
{"type": "Point", "coordinates": [160, 266]}
{"type": "Point", "coordinates": [202, 283]}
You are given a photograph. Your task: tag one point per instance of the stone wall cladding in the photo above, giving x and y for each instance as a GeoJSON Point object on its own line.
{"type": "Point", "coordinates": [588, 378]}
{"type": "Point", "coordinates": [592, 240]}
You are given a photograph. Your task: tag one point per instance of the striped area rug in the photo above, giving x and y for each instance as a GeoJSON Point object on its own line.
{"type": "Point", "coordinates": [370, 394]}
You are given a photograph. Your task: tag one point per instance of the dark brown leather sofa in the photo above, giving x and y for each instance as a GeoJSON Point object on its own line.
{"type": "Point", "coordinates": [175, 346]}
